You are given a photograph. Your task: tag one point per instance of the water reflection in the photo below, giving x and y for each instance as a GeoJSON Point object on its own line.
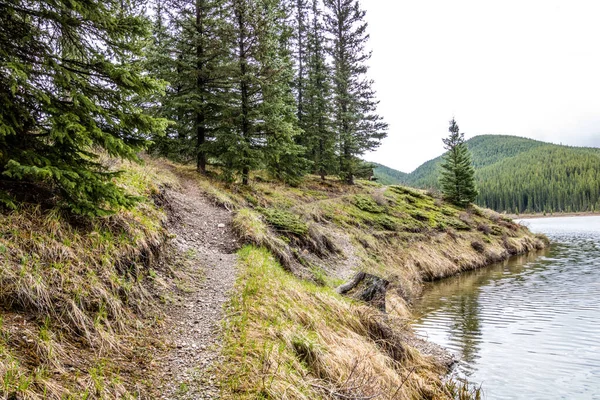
{"type": "Point", "coordinates": [529, 327]}
{"type": "Point", "coordinates": [458, 296]}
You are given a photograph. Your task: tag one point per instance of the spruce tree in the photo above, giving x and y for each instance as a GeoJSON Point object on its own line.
{"type": "Point", "coordinates": [457, 176]}
{"type": "Point", "coordinates": [284, 158]}
{"type": "Point", "coordinates": [197, 69]}
{"type": "Point", "coordinates": [358, 126]}
{"type": "Point", "coordinates": [319, 137]}
{"type": "Point", "coordinates": [161, 63]}
{"type": "Point", "coordinates": [261, 107]}
{"type": "Point", "coordinates": [70, 85]}
{"type": "Point", "coordinates": [300, 26]}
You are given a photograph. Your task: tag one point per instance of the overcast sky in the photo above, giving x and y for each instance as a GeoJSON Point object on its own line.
{"type": "Point", "coordinates": [520, 67]}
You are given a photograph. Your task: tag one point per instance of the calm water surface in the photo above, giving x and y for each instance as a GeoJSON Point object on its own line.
{"type": "Point", "coordinates": [528, 328]}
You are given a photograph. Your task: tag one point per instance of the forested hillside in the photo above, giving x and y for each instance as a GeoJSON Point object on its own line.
{"type": "Point", "coordinates": [388, 176]}
{"type": "Point", "coordinates": [522, 175]}
{"type": "Point", "coordinates": [549, 179]}
{"type": "Point", "coordinates": [485, 150]}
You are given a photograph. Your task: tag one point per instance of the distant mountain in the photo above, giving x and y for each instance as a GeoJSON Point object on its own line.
{"type": "Point", "coordinates": [516, 174]}
{"type": "Point", "coordinates": [387, 175]}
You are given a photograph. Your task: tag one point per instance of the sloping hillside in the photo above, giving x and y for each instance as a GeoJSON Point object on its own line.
{"type": "Point", "coordinates": [388, 176]}
{"type": "Point", "coordinates": [485, 150]}
{"type": "Point", "coordinates": [292, 335]}
{"type": "Point", "coordinates": [108, 308]}
{"type": "Point", "coordinates": [522, 175]}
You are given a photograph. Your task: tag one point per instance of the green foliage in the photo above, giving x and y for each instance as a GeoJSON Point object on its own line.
{"type": "Point", "coordinates": [366, 203]}
{"type": "Point", "coordinates": [264, 121]}
{"type": "Point", "coordinates": [251, 87]}
{"type": "Point", "coordinates": [359, 128]}
{"type": "Point", "coordinates": [388, 176]}
{"type": "Point", "coordinates": [314, 106]}
{"type": "Point", "coordinates": [72, 77]}
{"type": "Point", "coordinates": [285, 221]}
{"type": "Point", "coordinates": [189, 52]}
{"type": "Point", "coordinates": [549, 178]}
{"type": "Point", "coordinates": [515, 174]}
{"type": "Point", "coordinates": [457, 176]}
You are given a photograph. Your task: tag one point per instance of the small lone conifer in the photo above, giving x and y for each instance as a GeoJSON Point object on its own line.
{"type": "Point", "coordinates": [457, 177]}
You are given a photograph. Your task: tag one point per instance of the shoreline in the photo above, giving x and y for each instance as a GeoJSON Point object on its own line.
{"type": "Point", "coordinates": [554, 215]}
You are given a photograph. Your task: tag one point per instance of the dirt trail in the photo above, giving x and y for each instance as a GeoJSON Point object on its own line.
{"type": "Point", "coordinates": [204, 235]}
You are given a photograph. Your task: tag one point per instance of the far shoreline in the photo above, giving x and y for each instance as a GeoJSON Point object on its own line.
{"type": "Point", "coordinates": [553, 215]}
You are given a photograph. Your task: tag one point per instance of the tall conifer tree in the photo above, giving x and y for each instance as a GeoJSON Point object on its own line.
{"type": "Point", "coordinates": [197, 69]}
{"type": "Point", "coordinates": [71, 75]}
{"type": "Point", "coordinates": [262, 106]}
{"type": "Point", "coordinates": [318, 135]}
{"type": "Point", "coordinates": [358, 126]}
{"type": "Point", "coordinates": [457, 177]}
{"type": "Point", "coordinates": [300, 36]}
{"type": "Point", "coordinates": [284, 158]}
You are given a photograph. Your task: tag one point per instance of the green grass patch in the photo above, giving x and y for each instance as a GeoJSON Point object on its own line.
{"type": "Point", "coordinates": [367, 203]}
{"type": "Point", "coordinates": [285, 221]}
{"type": "Point", "coordinates": [289, 338]}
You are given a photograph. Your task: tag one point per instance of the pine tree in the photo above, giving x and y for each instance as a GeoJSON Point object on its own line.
{"type": "Point", "coordinates": [161, 63]}
{"type": "Point", "coordinates": [284, 158]}
{"type": "Point", "coordinates": [358, 126]}
{"type": "Point", "coordinates": [70, 84]}
{"type": "Point", "coordinates": [262, 106]}
{"type": "Point", "coordinates": [197, 69]}
{"type": "Point", "coordinates": [318, 136]}
{"type": "Point", "coordinates": [300, 24]}
{"type": "Point", "coordinates": [457, 177]}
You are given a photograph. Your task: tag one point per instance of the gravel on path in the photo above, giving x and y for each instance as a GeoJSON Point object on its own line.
{"type": "Point", "coordinates": [204, 234]}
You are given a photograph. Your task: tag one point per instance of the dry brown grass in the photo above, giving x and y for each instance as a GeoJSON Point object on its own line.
{"type": "Point", "coordinates": [291, 339]}
{"type": "Point", "coordinates": [75, 291]}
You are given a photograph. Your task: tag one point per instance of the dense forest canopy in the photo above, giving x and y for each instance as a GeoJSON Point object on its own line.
{"type": "Point", "coordinates": [274, 85]}
{"type": "Point", "coordinates": [519, 175]}
{"type": "Point", "coordinates": [72, 81]}
{"type": "Point", "coordinates": [279, 86]}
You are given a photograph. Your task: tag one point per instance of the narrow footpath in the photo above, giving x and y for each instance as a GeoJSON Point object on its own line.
{"type": "Point", "coordinates": [204, 236]}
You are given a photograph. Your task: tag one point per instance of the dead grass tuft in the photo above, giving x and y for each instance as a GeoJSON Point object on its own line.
{"type": "Point", "coordinates": [288, 338]}
{"type": "Point", "coordinates": [74, 289]}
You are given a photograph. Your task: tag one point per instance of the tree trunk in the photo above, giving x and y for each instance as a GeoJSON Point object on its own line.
{"type": "Point", "coordinates": [301, 44]}
{"type": "Point", "coordinates": [244, 95]}
{"type": "Point", "coordinates": [200, 87]}
{"type": "Point", "coordinates": [368, 288]}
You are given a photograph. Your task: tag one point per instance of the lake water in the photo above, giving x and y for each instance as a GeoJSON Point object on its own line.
{"type": "Point", "coordinates": [528, 328]}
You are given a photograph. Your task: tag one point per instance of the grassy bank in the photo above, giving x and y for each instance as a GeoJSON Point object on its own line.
{"type": "Point", "coordinates": [291, 335]}
{"type": "Point", "coordinates": [77, 295]}
{"type": "Point", "coordinates": [81, 298]}
{"type": "Point", "coordinates": [290, 338]}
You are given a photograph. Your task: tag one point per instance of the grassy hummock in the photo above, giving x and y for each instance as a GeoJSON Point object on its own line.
{"type": "Point", "coordinates": [290, 338]}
